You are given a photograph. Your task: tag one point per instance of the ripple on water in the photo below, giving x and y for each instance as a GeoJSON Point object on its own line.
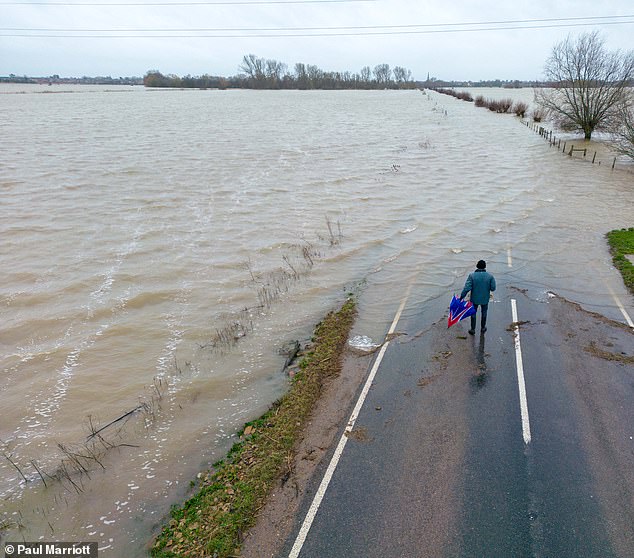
{"type": "Point", "coordinates": [121, 266]}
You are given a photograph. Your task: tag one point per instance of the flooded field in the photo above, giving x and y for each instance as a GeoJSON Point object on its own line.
{"type": "Point", "coordinates": [160, 248]}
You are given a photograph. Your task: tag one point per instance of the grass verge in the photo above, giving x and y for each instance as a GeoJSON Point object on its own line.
{"type": "Point", "coordinates": [622, 244]}
{"type": "Point", "coordinates": [213, 521]}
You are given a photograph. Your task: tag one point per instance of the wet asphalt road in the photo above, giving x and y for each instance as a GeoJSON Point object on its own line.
{"type": "Point", "coordinates": [437, 465]}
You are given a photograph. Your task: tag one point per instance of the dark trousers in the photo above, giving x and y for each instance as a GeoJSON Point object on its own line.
{"type": "Point", "coordinates": [483, 316]}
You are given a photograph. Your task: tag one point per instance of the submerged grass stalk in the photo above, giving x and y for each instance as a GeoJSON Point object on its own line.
{"type": "Point", "coordinates": [214, 520]}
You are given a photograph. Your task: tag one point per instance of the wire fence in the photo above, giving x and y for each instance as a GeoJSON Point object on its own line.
{"type": "Point", "coordinates": [578, 149]}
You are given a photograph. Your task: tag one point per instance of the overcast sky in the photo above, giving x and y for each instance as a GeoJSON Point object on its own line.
{"type": "Point", "coordinates": [503, 39]}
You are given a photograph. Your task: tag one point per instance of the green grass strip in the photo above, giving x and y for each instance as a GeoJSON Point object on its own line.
{"type": "Point", "coordinates": [214, 520]}
{"type": "Point", "coordinates": [621, 245]}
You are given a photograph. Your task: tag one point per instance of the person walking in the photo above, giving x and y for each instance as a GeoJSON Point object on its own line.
{"type": "Point", "coordinates": [480, 284]}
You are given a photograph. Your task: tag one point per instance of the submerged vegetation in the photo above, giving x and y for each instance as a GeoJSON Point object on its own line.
{"type": "Point", "coordinates": [214, 520]}
{"type": "Point", "coordinates": [75, 463]}
{"type": "Point", "coordinates": [501, 106]}
{"type": "Point", "coordinates": [621, 245]}
{"type": "Point", "coordinates": [462, 95]}
{"type": "Point", "coordinates": [269, 286]}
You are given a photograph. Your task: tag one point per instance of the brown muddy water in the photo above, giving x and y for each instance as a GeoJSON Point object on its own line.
{"type": "Point", "coordinates": [160, 247]}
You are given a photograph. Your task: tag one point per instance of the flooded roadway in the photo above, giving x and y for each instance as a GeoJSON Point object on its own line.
{"type": "Point", "coordinates": [449, 463]}
{"type": "Point", "coordinates": [142, 228]}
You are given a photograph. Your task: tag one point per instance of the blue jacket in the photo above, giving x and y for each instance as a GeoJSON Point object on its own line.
{"type": "Point", "coordinates": [481, 283]}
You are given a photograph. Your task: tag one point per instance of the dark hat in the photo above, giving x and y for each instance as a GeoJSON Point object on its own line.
{"type": "Point", "coordinates": [481, 264]}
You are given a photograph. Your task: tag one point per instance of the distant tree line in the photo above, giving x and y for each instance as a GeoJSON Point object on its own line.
{"type": "Point", "coordinates": [12, 78]}
{"type": "Point", "coordinates": [262, 73]}
{"type": "Point", "coordinates": [154, 78]}
{"type": "Point", "coordinates": [435, 83]}
{"type": "Point", "coordinates": [85, 80]}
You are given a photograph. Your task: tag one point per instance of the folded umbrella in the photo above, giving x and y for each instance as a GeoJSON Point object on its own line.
{"type": "Point", "coordinates": [459, 310]}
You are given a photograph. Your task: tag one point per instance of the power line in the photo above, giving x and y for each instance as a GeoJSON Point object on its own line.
{"type": "Point", "coordinates": [202, 3]}
{"type": "Point", "coordinates": [333, 28]}
{"type": "Point", "coordinates": [333, 32]}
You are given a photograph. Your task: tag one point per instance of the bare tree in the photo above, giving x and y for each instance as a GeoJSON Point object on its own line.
{"type": "Point", "coordinates": [301, 75]}
{"type": "Point", "coordinates": [382, 74]}
{"type": "Point", "coordinates": [274, 72]}
{"type": "Point", "coordinates": [589, 83]}
{"type": "Point", "coordinates": [314, 75]}
{"type": "Point", "coordinates": [623, 132]}
{"type": "Point", "coordinates": [254, 67]}
{"type": "Point", "coordinates": [402, 75]}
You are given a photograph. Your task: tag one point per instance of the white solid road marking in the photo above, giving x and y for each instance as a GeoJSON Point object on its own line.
{"type": "Point", "coordinates": [621, 307]}
{"type": "Point", "coordinates": [617, 301]}
{"type": "Point", "coordinates": [526, 426]}
{"type": "Point", "coordinates": [334, 461]}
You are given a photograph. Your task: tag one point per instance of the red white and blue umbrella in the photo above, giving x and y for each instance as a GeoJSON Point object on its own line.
{"type": "Point", "coordinates": [459, 310]}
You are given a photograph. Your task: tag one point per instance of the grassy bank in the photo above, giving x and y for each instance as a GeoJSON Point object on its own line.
{"type": "Point", "coordinates": [213, 521]}
{"type": "Point", "coordinates": [621, 244]}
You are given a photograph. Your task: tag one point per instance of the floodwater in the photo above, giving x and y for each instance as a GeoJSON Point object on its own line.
{"type": "Point", "coordinates": [159, 248]}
